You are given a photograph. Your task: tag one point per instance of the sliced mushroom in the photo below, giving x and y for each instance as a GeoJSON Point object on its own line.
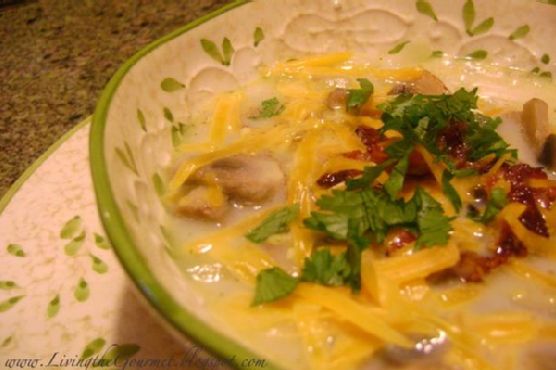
{"type": "Point", "coordinates": [535, 123]}
{"type": "Point", "coordinates": [427, 353]}
{"type": "Point", "coordinates": [548, 153]}
{"type": "Point", "coordinates": [427, 84]}
{"type": "Point", "coordinates": [203, 202]}
{"type": "Point", "coordinates": [336, 99]}
{"type": "Point", "coordinates": [247, 179]}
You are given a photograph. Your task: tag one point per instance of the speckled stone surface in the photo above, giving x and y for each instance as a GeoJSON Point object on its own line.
{"type": "Point", "coordinates": [57, 55]}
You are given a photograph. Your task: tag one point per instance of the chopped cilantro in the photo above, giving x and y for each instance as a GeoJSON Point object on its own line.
{"type": "Point", "coordinates": [496, 201]}
{"type": "Point", "coordinates": [370, 174]}
{"type": "Point", "coordinates": [449, 190]}
{"type": "Point", "coordinates": [362, 217]}
{"type": "Point", "coordinates": [273, 284]}
{"type": "Point", "coordinates": [324, 268]}
{"type": "Point", "coordinates": [395, 182]}
{"type": "Point", "coordinates": [275, 223]}
{"type": "Point", "coordinates": [335, 225]}
{"type": "Point", "coordinates": [484, 139]}
{"type": "Point", "coordinates": [269, 108]}
{"type": "Point", "coordinates": [434, 226]}
{"type": "Point", "coordinates": [420, 119]}
{"type": "Point", "coordinates": [357, 97]}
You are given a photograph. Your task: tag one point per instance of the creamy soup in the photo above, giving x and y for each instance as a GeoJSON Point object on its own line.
{"type": "Point", "coordinates": [345, 214]}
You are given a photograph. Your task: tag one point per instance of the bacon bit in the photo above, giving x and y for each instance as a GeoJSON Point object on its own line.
{"type": "Point", "coordinates": [508, 244]}
{"type": "Point", "coordinates": [397, 239]}
{"type": "Point", "coordinates": [328, 180]}
{"type": "Point", "coordinates": [452, 140]}
{"type": "Point", "coordinates": [374, 141]}
{"type": "Point", "coordinates": [358, 155]}
{"type": "Point", "coordinates": [533, 220]}
{"type": "Point", "coordinates": [417, 165]}
{"type": "Point", "coordinates": [545, 197]}
{"type": "Point", "coordinates": [479, 193]}
{"type": "Point", "coordinates": [470, 268]}
{"type": "Point", "coordinates": [369, 136]}
{"type": "Point", "coordinates": [473, 267]}
{"type": "Point", "coordinates": [520, 173]}
{"type": "Point", "coordinates": [522, 194]}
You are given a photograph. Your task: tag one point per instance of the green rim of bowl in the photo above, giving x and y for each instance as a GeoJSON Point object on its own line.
{"type": "Point", "coordinates": [135, 265]}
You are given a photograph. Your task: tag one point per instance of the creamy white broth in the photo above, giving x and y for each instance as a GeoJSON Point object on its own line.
{"type": "Point", "coordinates": [272, 330]}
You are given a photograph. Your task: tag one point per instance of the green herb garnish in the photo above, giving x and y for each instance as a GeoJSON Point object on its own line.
{"type": "Point", "coordinates": [275, 223]}
{"type": "Point", "coordinates": [421, 118]}
{"type": "Point", "coordinates": [326, 269]}
{"type": "Point", "coordinates": [357, 97]}
{"type": "Point", "coordinates": [450, 191]}
{"type": "Point", "coordinates": [496, 201]}
{"type": "Point", "coordinates": [269, 108]}
{"type": "Point", "coordinates": [273, 284]}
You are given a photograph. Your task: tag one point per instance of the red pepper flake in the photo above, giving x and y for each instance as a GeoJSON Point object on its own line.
{"type": "Point", "coordinates": [328, 180]}
{"type": "Point", "coordinates": [533, 220]}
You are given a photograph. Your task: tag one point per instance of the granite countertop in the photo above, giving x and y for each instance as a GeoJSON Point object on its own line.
{"type": "Point", "coordinates": [57, 55]}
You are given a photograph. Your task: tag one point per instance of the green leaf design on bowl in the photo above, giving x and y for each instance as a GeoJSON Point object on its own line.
{"type": "Point", "coordinates": [170, 84]}
{"type": "Point", "coordinates": [224, 57]}
{"type": "Point", "coordinates": [425, 8]}
{"type": "Point", "coordinates": [437, 54]}
{"type": "Point", "coordinates": [545, 59]}
{"type": "Point", "coordinates": [98, 265]}
{"type": "Point", "coordinates": [141, 119]}
{"type": "Point", "coordinates": [468, 13]}
{"type": "Point", "coordinates": [396, 49]}
{"type": "Point", "coordinates": [15, 250]}
{"type": "Point", "coordinates": [168, 114]}
{"type": "Point", "coordinates": [81, 291]}
{"type": "Point", "coordinates": [73, 247]}
{"type": "Point", "coordinates": [178, 133]}
{"type": "Point", "coordinates": [53, 307]}
{"type": "Point", "coordinates": [158, 184]}
{"type": "Point", "coordinates": [10, 302]}
{"type": "Point", "coordinates": [258, 36]}
{"type": "Point", "coordinates": [93, 347]}
{"type": "Point", "coordinates": [8, 284]}
{"type": "Point", "coordinates": [101, 242]}
{"type": "Point", "coordinates": [478, 54]}
{"type": "Point", "coordinates": [127, 157]}
{"type": "Point", "coordinates": [212, 50]}
{"type": "Point", "coordinates": [227, 51]}
{"type": "Point", "coordinates": [484, 27]}
{"type": "Point", "coordinates": [6, 342]}
{"type": "Point", "coordinates": [133, 208]}
{"type": "Point", "coordinates": [520, 32]}
{"type": "Point", "coordinates": [166, 235]}
{"type": "Point", "coordinates": [71, 227]}
{"type": "Point", "coordinates": [121, 352]}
